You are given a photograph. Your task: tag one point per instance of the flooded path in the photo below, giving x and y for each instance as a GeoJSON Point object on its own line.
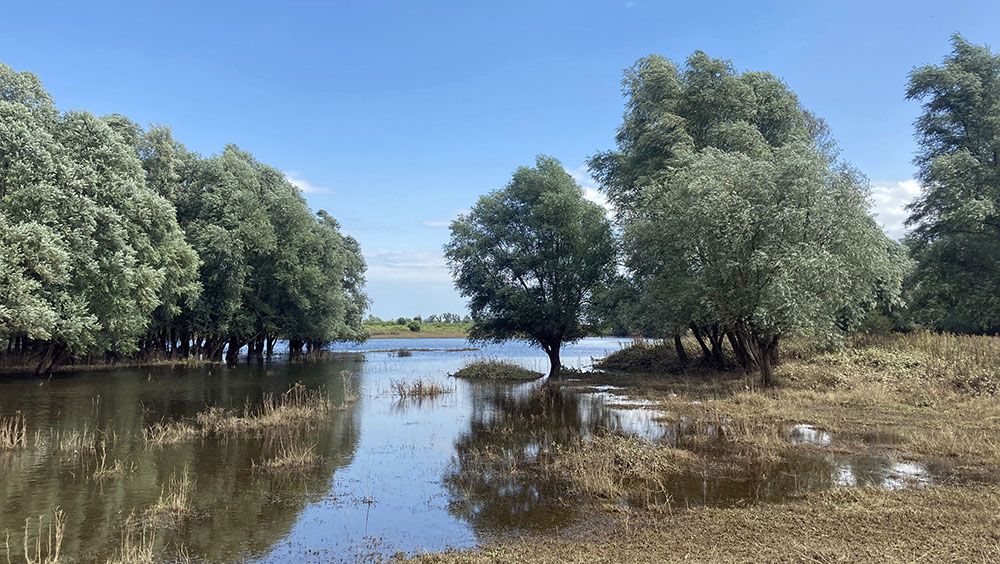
{"type": "Point", "coordinates": [393, 475]}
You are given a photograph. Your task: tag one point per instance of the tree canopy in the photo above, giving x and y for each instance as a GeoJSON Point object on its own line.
{"type": "Point", "coordinates": [738, 221]}
{"type": "Point", "coordinates": [530, 256]}
{"type": "Point", "coordinates": [956, 219]}
{"type": "Point", "coordinates": [119, 241]}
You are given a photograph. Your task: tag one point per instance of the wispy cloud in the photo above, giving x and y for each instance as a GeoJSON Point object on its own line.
{"type": "Point", "coordinates": [304, 185]}
{"type": "Point", "coordinates": [889, 200]}
{"type": "Point", "coordinates": [442, 223]}
{"type": "Point", "coordinates": [407, 266]}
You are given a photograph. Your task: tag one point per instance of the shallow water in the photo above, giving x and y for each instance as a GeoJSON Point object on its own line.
{"type": "Point", "coordinates": [395, 475]}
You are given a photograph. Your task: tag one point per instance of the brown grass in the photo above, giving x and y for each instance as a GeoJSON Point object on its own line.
{"type": "Point", "coordinates": [46, 546]}
{"type": "Point", "coordinates": [13, 432]}
{"type": "Point", "coordinates": [175, 503]}
{"type": "Point", "coordinates": [418, 388]}
{"type": "Point", "coordinates": [298, 407]}
{"type": "Point", "coordinates": [290, 460]}
{"type": "Point", "coordinates": [138, 542]}
{"type": "Point", "coordinates": [945, 524]}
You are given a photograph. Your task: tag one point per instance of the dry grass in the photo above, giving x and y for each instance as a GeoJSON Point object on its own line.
{"type": "Point", "coordinates": [946, 524]}
{"type": "Point", "coordinates": [175, 503]}
{"type": "Point", "coordinates": [298, 407]}
{"type": "Point", "coordinates": [290, 460]}
{"type": "Point", "coordinates": [13, 432]}
{"type": "Point", "coordinates": [616, 467]}
{"type": "Point", "coordinates": [138, 542]}
{"type": "Point", "coordinates": [418, 388]}
{"type": "Point", "coordinates": [169, 432]}
{"type": "Point", "coordinates": [42, 543]}
{"type": "Point", "coordinates": [496, 370]}
{"type": "Point", "coordinates": [117, 468]}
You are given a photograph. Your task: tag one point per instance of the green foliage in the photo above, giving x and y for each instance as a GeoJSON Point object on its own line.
{"type": "Point", "coordinates": [956, 236]}
{"type": "Point", "coordinates": [530, 256]}
{"type": "Point", "coordinates": [414, 326]}
{"type": "Point", "coordinates": [736, 217]}
{"type": "Point", "coordinates": [119, 240]}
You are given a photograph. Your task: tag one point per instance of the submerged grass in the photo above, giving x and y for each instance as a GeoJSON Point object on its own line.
{"type": "Point", "coordinates": [175, 502]}
{"type": "Point", "coordinates": [13, 432]}
{"type": "Point", "coordinates": [296, 408]}
{"type": "Point", "coordinates": [418, 388]}
{"type": "Point", "coordinates": [291, 459]}
{"type": "Point", "coordinates": [496, 370]}
{"type": "Point", "coordinates": [42, 543]}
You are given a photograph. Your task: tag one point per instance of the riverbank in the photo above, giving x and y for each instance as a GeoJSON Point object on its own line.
{"type": "Point", "coordinates": [927, 402]}
{"type": "Point", "coordinates": [427, 331]}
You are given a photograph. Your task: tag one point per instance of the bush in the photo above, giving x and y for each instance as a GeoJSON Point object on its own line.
{"type": "Point", "coordinates": [414, 326]}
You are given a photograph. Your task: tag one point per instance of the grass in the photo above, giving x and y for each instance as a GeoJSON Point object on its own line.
{"type": "Point", "coordinates": [290, 460]}
{"type": "Point", "coordinates": [496, 370]}
{"type": "Point", "coordinates": [138, 542]}
{"type": "Point", "coordinates": [175, 502]}
{"type": "Point", "coordinates": [13, 432]}
{"type": "Point", "coordinates": [427, 330]}
{"type": "Point", "coordinates": [418, 388]}
{"type": "Point", "coordinates": [296, 408]}
{"type": "Point", "coordinates": [46, 546]}
{"type": "Point", "coordinates": [935, 395]}
{"type": "Point", "coordinates": [116, 469]}
{"type": "Point", "coordinates": [945, 524]}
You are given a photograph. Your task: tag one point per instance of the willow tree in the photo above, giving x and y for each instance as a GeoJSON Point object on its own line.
{"type": "Point", "coordinates": [529, 257]}
{"type": "Point", "coordinates": [738, 222]}
{"type": "Point", "coordinates": [73, 181]}
{"type": "Point", "coordinates": [956, 219]}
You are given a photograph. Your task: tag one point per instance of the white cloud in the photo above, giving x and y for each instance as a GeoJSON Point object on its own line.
{"type": "Point", "coordinates": [590, 191]}
{"type": "Point", "coordinates": [407, 266]}
{"type": "Point", "coordinates": [441, 223]}
{"type": "Point", "coordinates": [889, 201]}
{"type": "Point", "coordinates": [304, 185]}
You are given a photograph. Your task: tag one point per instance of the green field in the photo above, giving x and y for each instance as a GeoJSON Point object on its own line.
{"type": "Point", "coordinates": [427, 330]}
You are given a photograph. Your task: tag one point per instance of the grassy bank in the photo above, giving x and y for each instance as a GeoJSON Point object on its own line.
{"type": "Point", "coordinates": [919, 397]}
{"type": "Point", "coordinates": [427, 331]}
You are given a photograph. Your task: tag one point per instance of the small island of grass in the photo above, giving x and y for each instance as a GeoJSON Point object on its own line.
{"type": "Point", "coordinates": [496, 370]}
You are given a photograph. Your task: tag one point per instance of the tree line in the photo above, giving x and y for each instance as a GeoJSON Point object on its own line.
{"type": "Point", "coordinates": [735, 221]}
{"type": "Point", "coordinates": [118, 242]}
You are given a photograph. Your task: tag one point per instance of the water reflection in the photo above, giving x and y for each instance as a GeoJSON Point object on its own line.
{"type": "Point", "coordinates": [498, 480]}
{"type": "Point", "coordinates": [236, 510]}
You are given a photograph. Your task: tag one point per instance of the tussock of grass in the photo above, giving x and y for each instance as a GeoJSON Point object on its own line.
{"type": "Point", "coordinates": [496, 370]}
{"type": "Point", "coordinates": [290, 460]}
{"type": "Point", "coordinates": [169, 432]}
{"type": "Point", "coordinates": [298, 407]}
{"type": "Point", "coordinates": [13, 432]}
{"type": "Point", "coordinates": [175, 502]}
{"type": "Point", "coordinates": [418, 388]}
{"type": "Point", "coordinates": [642, 356]}
{"type": "Point", "coordinates": [117, 469]}
{"type": "Point", "coordinates": [138, 542]}
{"type": "Point", "coordinates": [613, 466]}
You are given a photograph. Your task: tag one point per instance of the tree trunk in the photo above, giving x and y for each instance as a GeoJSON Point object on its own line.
{"type": "Point", "coordinates": [233, 352]}
{"type": "Point", "coordinates": [555, 365]}
{"type": "Point", "coordinates": [706, 354]}
{"type": "Point", "coordinates": [682, 355]}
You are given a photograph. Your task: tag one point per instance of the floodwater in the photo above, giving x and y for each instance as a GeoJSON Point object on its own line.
{"type": "Point", "coordinates": [395, 475]}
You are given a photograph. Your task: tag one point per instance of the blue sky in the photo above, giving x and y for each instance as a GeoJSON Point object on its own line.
{"type": "Point", "coordinates": [394, 116]}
